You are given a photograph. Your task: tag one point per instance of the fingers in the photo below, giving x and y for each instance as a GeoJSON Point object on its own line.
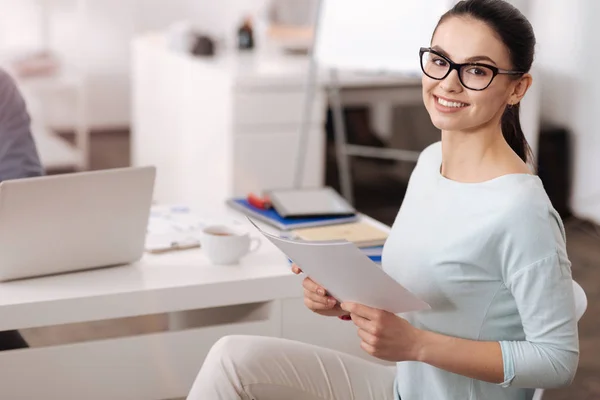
{"type": "Point", "coordinates": [362, 323]}
{"type": "Point", "coordinates": [316, 301]}
{"type": "Point", "coordinates": [372, 314]}
{"type": "Point", "coordinates": [310, 285]}
{"type": "Point", "coordinates": [315, 297]}
{"type": "Point", "coordinates": [367, 348]}
{"type": "Point", "coordinates": [367, 338]}
{"type": "Point", "coordinates": [296, 270]}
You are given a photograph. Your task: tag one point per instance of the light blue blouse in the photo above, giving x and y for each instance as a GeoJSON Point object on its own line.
{"type": "Point", "coordinates": [490, 258]}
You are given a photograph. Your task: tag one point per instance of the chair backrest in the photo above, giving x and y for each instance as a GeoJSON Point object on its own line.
{"type": "Point", "coordinates": [581, 301]}
{"type": "Point", "coordinates": [375, 35]}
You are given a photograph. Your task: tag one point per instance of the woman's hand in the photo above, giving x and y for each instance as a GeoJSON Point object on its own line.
{"type": "Point", "coordinates": [385, 335]}
{"type": "Point", "coordinates": [316, 298]}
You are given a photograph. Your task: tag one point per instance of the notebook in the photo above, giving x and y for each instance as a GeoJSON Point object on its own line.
{"type": "Point", "coordinates": [271, 217]}
{"type": "Point", "coordinates": [361, 233]}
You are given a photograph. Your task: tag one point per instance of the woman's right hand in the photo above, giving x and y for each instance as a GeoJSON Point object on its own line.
{"type": "Point", "coordinates": [316, 298]}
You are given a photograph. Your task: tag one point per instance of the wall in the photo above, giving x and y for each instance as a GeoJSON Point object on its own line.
{"type": "Point", "coordinates": [101, 48]}
{"type": "Point", "coordinates": [568, 36]}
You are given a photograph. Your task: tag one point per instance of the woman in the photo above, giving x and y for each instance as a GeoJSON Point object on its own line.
{"type": "Point", "coordinates": [476, 237]}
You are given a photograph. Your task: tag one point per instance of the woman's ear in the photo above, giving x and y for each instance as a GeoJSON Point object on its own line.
{"type": "Point", "coordinates": [520, 88]}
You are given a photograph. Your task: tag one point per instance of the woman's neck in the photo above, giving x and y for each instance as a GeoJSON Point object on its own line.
{"type": "Point", "coordinates": [476, 156]}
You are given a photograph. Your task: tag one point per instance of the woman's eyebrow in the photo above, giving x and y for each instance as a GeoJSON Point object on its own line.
{"type": "Point", "coordinates": [468, 60]}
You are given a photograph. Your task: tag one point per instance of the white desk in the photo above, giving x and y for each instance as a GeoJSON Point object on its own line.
{"type": "Point", "coordinates": [260, 296]}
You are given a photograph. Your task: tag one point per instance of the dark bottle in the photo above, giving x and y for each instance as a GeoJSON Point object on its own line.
{"type": "Point", "coordinates": [246, 35]}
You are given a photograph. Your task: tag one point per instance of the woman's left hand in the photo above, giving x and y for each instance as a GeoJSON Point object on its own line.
{"type": "Point", "coordinates": [385, 335]}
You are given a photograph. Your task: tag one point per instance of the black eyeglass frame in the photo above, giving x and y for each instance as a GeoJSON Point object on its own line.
{"type": "Point", "coordinates": [454, 66]}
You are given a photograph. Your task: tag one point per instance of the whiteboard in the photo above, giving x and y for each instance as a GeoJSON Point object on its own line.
{"type": "Point", "coordinates": [376, 35]}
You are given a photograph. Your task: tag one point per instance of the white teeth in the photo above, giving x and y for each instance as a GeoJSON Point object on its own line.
{"type": "Point", "coordinates": [450, 103]}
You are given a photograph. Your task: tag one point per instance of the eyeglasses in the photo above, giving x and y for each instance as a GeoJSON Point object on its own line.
{"type": "Point", "coordinates": [474, 76]}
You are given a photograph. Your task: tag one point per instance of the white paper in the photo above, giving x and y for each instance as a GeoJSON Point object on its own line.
{"type": "Point", "coordinates": [348, 274]}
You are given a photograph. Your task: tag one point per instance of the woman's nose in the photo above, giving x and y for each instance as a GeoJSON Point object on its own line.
{"type": "Point", "coordinates": [451, 83]}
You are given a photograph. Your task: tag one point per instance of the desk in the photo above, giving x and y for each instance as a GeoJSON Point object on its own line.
{"type": "Point", "coordinates": [259, 297]}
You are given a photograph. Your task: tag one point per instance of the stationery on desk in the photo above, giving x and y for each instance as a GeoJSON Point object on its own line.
{"type": "Point", "coordinates": [288, 209]}
{"type": "Point", "coordinates": [366, 236]}
{"type": "Point", "coordinates": [172, 227]}
{"type": "Point", "coordinates": [271, 217]}
{"type": "Point", "coordinates": [347, 273]}
{"type": "Point", "coordinates": [361, 233]}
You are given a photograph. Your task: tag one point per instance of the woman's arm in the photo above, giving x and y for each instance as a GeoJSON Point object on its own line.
{"type": "Point", "coordinates": [547, 357]}
{"type": "Point", "coordinates": [389, 337]}
{"type": "Point", "coordinates": [474, 359]}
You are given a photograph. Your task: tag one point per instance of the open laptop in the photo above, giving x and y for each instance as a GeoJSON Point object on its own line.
{"type": "Point", "coordinates": [70, 222]}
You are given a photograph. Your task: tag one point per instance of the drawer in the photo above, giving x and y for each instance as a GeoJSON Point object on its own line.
{"type": "Point", "coordinates": [276, 108]}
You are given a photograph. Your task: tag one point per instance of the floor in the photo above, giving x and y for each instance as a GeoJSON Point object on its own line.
{"type": "Point", "coordinates": [378, 193]}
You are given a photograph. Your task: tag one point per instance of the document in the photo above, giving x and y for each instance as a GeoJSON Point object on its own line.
{"type": "Point", "coordinates": [348, 274]}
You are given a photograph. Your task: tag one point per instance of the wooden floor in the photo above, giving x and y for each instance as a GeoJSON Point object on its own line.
{"type": "Point", "coordinates": [379, 194]}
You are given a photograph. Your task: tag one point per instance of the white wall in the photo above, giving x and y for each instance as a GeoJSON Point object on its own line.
{"type": "Point", "coordinates": [568, 42]}
{"type": "Point", "coordinates": [102, 49]}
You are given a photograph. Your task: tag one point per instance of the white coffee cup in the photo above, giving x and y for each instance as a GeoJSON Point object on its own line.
{"type": "Point", "coordinates": [225, 245]}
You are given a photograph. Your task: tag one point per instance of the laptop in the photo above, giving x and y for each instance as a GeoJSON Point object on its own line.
{"type": "Point", "coordinates": [73, 222]}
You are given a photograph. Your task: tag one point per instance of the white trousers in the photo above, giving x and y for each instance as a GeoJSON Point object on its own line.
{"type": "Point", "coordinates": [265, 368]}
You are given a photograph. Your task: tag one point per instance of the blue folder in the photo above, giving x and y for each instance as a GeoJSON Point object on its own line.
{"type": "Point", "coordinates": [271, 217]}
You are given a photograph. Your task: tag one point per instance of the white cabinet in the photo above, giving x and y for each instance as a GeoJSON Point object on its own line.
{"type": "Point", "coordinates": [222, 126]}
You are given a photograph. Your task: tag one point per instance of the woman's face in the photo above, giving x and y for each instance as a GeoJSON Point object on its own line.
{"type": "Point", "coordinates": [451, 106]}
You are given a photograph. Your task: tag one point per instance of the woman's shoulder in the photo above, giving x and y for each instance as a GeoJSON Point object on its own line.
{"type": "Point", "coordinates": [431, 152]}
{"type": "Point", "coordinates": [430, 158]}
{"type": "Point", "coordinates": [530, 226]}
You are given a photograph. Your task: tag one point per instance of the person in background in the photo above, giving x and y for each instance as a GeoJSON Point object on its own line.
{"type": "Point", "coordinates": [18, 159]}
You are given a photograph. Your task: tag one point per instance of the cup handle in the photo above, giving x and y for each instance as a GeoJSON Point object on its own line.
{"type": "Point", "coordinates": [254, 244]}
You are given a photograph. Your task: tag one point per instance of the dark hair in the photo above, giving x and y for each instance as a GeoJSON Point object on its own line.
{"type": "Point", "coordinates": [516, 33]}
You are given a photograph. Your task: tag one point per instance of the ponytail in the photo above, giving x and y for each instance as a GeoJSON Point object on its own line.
{"type": "Point", "coordinates": [513, 134]}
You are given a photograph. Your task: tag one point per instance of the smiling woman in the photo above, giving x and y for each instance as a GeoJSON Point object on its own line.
{"type": "Point", "coordinates": [505, 50]}
{"type": "Point", "coordinates": [476, 237]}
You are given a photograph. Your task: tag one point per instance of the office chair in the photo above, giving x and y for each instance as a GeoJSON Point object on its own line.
{"type": "Point", "coordinates": [580, 307]}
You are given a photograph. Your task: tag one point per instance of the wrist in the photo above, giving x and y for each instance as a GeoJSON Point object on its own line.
{"type": "Point", "coordinates": [427, 345]}
{"type": "Point", "coordinates": [424, 342]}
